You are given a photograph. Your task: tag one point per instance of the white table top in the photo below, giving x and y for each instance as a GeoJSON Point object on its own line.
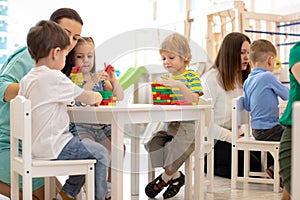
{"type": "Point", "coordinates": [134, 113]}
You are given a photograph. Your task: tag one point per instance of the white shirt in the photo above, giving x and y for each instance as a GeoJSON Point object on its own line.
{"type": "Point", "coordinates": [222, 102]}
{"type": "Point", "coordinates": [49, 91]}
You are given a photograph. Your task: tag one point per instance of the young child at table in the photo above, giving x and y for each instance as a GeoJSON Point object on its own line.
{"type": "Point", "coordinates": [50, 91]}
{"type": "Point", "coordinates": [16, 66]}
{"type": "Point", "coordinates": [173, 144]}
{"type": "Point", "coordinates": [261, 92]}
{"type": "Point", "coordinates": [83, 55]}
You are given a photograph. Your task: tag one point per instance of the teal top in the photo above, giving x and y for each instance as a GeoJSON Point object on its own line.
{"type": "Point", "coordinates": [15, 68]}
{"type": "Point", "coordinates": [294, 95]}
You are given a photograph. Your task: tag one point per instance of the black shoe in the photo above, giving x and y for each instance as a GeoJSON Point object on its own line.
{"type": "Point", "coordinates": [155, 187]}
{"type": "Point", "coordinates": [174, 186]}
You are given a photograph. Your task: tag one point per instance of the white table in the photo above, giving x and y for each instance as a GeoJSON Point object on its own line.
{"type": "Point", "coordinates": [120, 115]}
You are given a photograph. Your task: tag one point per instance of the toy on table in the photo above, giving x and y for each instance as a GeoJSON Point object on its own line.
{"type": "Point", "coordinates": [76, 75]}
{"type": "Point", "coordinates": [162, 95]}
{"type": "Point", "coordinates": [109, 99]}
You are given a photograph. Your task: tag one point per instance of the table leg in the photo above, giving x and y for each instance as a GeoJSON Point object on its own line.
{"type": "Point", "coordinates": [199, 161]}
{"type": "Point", "coordinates": [135, 164]}
{"type": "Point", "coordinates": [117, 152]}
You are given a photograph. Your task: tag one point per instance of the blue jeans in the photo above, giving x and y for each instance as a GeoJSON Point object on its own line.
{"type": "Point", "coordinates": [77, 149]}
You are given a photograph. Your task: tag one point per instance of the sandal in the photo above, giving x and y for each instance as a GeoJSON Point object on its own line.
{"type": "Point", "coordinates": [174, 186]}
{"type": "Point", "coordinates": [155, 187]}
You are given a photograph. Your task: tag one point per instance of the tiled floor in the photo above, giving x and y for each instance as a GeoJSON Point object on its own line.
{"type": "Point", "coordinates": [222, 190]}
{"type": "Point", "coordinates": [222, 187]}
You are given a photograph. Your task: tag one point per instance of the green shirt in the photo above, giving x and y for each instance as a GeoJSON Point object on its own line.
{"type": "Point", "coordinates": [294, 95]}
{"type": "Point", "coordinates": [15, 68]}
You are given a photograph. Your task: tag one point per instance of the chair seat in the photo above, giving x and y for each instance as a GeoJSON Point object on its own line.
{"type": "Point", "coordinates": [37, 163]}
{"type": "Point", "coordinates": [252, 140]}
{"type": "Point", "coordinates": [256, 145]}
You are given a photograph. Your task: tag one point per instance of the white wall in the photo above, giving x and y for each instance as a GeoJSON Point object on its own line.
{"type": "Point", "coordinates": [113, 17]}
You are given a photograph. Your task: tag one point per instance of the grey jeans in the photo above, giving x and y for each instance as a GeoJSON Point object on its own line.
{"type": "Point", "coordinates": [172, 145]}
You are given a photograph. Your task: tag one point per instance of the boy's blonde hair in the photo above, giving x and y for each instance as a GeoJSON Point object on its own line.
{"type": "Point", "coordinates": [177, 44]}
{"type": "Point", "coordinates": [261, 49]}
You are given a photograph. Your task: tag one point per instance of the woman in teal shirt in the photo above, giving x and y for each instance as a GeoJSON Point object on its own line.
{"type": "Point", "coordinates": [12, 71]}
{"type": "Point", "coordinates": [286, 120]}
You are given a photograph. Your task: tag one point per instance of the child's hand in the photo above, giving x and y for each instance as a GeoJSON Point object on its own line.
{"type": "Point", "coordinates": [98, 98]}
{"type": "Point", "coordinates": [170, 82]}
{"type": "Point", "coordinates": [99, 76]}
{"type": "Point", "coordinates": [111, 73]}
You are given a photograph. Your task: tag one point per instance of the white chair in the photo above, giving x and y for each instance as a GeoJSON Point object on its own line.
{"type": "Point", "coordinates": [241, 119]}
{"type": "Point", "coordinates": [207, 149]}
{"type": "Point", "coordinates": [295, 151]}
{"type": "Point", "coordinates": [28, 168]}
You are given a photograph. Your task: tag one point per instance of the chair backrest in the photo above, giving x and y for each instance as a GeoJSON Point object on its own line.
{"type": "Point", "coordinates": [240, 118]}
{"type": "Point", "coordinates": [208, 115]}
{"type": "Point", "coordinates": [209, 135]}
{"type": "Point", "coordinates": [208, 111]}
{"type": "Point", "coordinates": [20, 129]}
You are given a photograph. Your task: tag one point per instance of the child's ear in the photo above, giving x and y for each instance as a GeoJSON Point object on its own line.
{"type": "Point", "coordinates": [54, 52]}
{"type": "Point", "coordinates": [271, 60]}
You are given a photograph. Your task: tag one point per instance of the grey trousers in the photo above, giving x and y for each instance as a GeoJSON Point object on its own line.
{"type": "Point", "coordinates": [172, 145]}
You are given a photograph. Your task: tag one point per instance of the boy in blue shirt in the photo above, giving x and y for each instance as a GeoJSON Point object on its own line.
{"type": "Point", "coordinates": [261, 92]}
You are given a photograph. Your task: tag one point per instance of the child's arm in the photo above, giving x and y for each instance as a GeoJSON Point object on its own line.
{"type": "Point", "coordinates": [96, 78]}
{"type": "Point", "coordinates": [113, 85]}
{"type": "Point", "coordinates": [90, 98]}
{"type": "Point", "coordinates": [188, 95]}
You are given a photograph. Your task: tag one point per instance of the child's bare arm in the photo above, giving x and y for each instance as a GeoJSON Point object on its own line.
{"type": "Point", "coordinates": [113, 85]}
{"type": "Point", "coordinates": [90, 98]}
{"type": "Point", "coordinates": [117, 89]}
{"type": "Point", "coordinates": [96, 78]}
{"type": "Point", "coordinates": [188, 95]}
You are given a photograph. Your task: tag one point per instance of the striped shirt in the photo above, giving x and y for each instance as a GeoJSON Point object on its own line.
{"type": "Point", "coordinates": [191, 79]}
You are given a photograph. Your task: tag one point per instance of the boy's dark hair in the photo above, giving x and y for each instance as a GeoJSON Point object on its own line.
{"type": "Point", "coordinates": [44, 36]}
{"type": "Point", "coordinates": [65, 13]}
